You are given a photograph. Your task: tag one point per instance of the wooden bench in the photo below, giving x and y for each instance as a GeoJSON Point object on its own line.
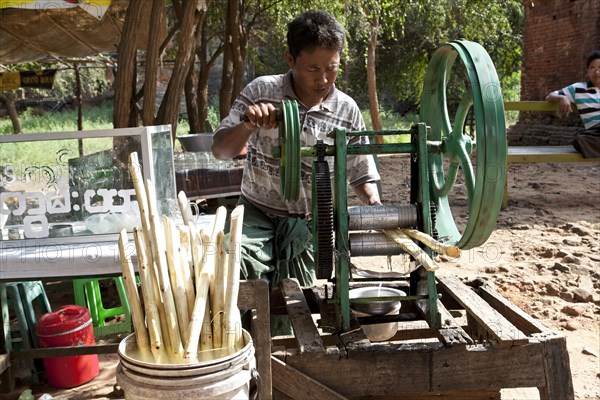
{"type": "Point", "coordinates": [539, 154]}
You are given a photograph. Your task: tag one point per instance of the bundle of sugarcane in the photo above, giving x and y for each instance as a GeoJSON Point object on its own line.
{"type": "Point", "coordinates": [189, 281]}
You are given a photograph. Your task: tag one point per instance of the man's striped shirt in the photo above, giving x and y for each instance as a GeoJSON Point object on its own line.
{"type": "Point", "coordinates": [587, 100]}
{"type": "Point", "coordinates": [261, 180]}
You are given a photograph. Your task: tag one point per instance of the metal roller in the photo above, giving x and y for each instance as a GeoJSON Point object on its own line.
{"type": "Point", "coordinates": [382, 217]}
{"type": "Point", "coordinates": [373, 244]}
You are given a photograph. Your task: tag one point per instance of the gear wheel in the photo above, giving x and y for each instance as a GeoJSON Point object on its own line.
{"type": "Point", "coordinates": [323, 219]}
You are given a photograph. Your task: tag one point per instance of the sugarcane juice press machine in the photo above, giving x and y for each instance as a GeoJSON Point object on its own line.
{"type": "Point", "coordinates": [439, 149]}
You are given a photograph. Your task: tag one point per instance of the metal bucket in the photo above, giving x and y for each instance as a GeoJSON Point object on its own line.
{"type": "Point", "coordinates": [377, 332]}
{"type": "Point", "coordinates": [225, 377]}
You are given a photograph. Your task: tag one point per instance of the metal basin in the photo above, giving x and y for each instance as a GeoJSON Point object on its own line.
{"type": "Point", "coordinates": [376, 332]}
{"type": "Point", "coordinates": [196, 141]}
{"type": "Point", "coordinates": [377, 307]}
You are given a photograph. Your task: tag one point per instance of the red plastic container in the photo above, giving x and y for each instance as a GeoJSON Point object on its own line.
{"type": "Point", "coordinates": [68, 326]}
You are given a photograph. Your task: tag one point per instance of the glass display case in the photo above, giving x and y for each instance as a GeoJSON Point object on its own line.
{"type": "Point", "coordinates": [76, 185]}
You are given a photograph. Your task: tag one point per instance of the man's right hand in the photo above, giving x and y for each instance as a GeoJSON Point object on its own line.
{"type": "Point", "coordinates": [261, 115]}
{"type": "Point", "coordinates": [564, 107]}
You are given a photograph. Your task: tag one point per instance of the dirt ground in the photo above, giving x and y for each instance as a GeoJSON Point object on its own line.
{"type": "Point", "coordinates": [544, 256]}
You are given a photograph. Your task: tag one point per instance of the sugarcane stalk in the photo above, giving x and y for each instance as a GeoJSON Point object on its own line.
{"type": "Point", "coordinates": [232, 314]}
{"type": "Point", "coordinates": [218, 223]}
{"type": "Point", "coordinates": [148, 291]}
{"type": "Point", "coordinates": [197, 254]}
{"type": "Point", "coordinates": [184, 207]}
{"type": "Point", "coordinates": [171, 330]}
{"type": "Point", "coordinates": [191, 348]}
{"type": "Point", "coordinates": [137, 314]}
{"type": "Point", "coordinates": [176, 276]}
{"type": "Point", "coordinates": [217, 291]}
{"type": "Point", "coordinates": [411, 248]}
{"type": "Point", "coordinates": [185, 267]}
{"type": "Point", "coordinates": [206, 336]}
{"type": "Point", "coordinates": [210, 251]}
{"type": "Point", "coordinates": [435, 245]}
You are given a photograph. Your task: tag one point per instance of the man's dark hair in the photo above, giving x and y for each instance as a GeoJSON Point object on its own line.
{"type": "Point", "coordinates": [315, 29]}
{"type": "Point", "coordinates": [595, 54]}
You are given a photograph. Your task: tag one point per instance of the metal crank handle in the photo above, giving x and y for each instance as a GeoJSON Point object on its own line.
{"type": "Point", "coordinates": [244, 118]}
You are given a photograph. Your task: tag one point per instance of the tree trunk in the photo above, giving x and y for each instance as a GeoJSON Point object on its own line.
{"type": "Point", "coordinates": [372, 77]}
{"type": "Point", "coordinates": [240, 45]}
{"type": "Point", "coordinates": [191, 100]}
{"type": "Point", "coordinates": [9, 98]}
{"type": "Point", "coordinates": [206, 64]}
{"type": "Point", "coordinates": [169, 108]}
{"type": "Point", "coordinates": [152, 60]}
{"type": "Point", "coordinates": [126, 64]}
{"type": "Point", "coordinates": [227, 77]}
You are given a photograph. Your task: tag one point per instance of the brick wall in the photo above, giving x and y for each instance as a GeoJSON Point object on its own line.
{"type": "Point", "coordinates": [559, 35]}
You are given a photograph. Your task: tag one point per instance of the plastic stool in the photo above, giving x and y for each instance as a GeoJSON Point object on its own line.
{"type": "Point", "coordinates": [87, 294]}
{"type": "Point", "coordinates": [13, 298]}
{"type": "Point", "coordinates": [30, 292]}
{"type": "Point", "coordinates": [20, 297]}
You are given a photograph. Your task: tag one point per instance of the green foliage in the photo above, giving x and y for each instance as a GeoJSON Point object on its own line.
{"type": "Point", "coordinates": [418, 28]}
{"type": "Point", "coordinates": [93, 118]}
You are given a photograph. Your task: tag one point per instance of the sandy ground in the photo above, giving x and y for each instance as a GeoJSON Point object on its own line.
{"type": "Point", "coordinates": [544, 256]}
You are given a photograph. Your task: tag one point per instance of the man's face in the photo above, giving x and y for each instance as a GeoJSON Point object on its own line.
{"type": "Point", "coordinates": [594, 72]}
{"type": "Point", "coordinates": [314, 73]}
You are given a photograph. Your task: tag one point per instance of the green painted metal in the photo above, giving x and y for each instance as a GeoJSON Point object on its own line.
{"type": "Point", "coordinates": [342, 244]}
{"type": "Point", "coordinates": [485, 182]}
{"type": "Point", "coordinates": [289, 140]}
{"type": "Point", "coordinates": [428, 286]}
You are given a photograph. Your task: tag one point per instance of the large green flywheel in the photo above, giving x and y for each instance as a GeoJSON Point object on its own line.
{"type": "Point", "coordinates": [485, 181]}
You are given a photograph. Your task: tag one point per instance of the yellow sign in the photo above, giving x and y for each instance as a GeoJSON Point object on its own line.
{"type": "Point", "coordinates": [10, 80]}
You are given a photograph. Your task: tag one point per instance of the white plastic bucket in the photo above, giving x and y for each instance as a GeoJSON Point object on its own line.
{"type": "Point", "coordinates": [226, 377]}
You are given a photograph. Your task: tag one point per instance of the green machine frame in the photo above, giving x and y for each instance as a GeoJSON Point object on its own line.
{"type": "Point", "coordinates": [439, 148]}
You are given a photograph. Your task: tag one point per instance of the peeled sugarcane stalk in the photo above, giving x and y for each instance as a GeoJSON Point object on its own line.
{"type": "Point", "coordinates": [206, 336]}
{"type": "Point", "coordinates": [135, 169]}
{"type": "Point", "coordinates": [210, 251]}
{"type": "Point", "coordinates": [411, 248]}
{"type": "Point", "coordinates": [184, 207]}
{"type": "Point", "coordinates": [191, 348]}
{"type": "Point", "coordinates": [148, 290]}
{"type": "Point", "coordinates": [158, 238]}
{"type": "Point", "coordinates": [218, 223]}
{"type": "Point", "coordinates": [176, 276]}
{"type": "Point", "coordinates": [232, 319]}
{"type": "Point", "coordinates": [185, 267]}
{"type": "Point", "coordinates": [137, 314]}
{"type": "Point", "coordinates": [197, 254]}
{"type": "Point", "coordinates": [438, 247]}
{"type": "Point", "coordinates": [217, 291]}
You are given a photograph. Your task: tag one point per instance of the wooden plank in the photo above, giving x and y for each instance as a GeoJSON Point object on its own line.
{"type": "Point", "coordinates": [391, 369]}
{"type": "Point", "coordinates": [451, 333]}
{"type": "Point", "coordinates": [540, 154]}
{"type": "Point", "coordinates": [495, 323]}
{"type": "Point", "coordinates": [306, 333]}
{"type": "Point", "coordinates": [530, 106]}
{"type": "Point", "coordinates": [559, 383]}
{"type": "Point", "coordinates": [297, 385]}
{"type": "Point", "coordinates": [463, 395]}
{"type": "Point", "coordinates": [254, 295]}
{"type": "Point", "coordinates": [515, 315]}
{"type": "Point", "coordinates": [109, 348]}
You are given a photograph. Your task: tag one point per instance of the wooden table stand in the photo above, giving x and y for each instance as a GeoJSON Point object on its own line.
{"type": "Point", "coordinates": [486, 344]}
